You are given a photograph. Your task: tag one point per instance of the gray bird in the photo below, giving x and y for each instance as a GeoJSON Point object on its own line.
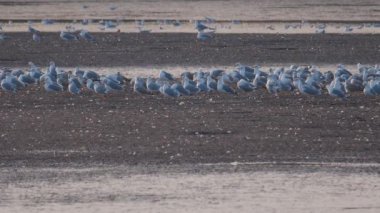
{"type": "Point", "coordinates": [211, 84]}
{"type": "Point", "coordinates": [165, 76]}
{"type": "Point", "coordinates": [223, 88]}
{"type": "Point", "coordinates": [100, 88]}
{"type": "Point", "coordinates": [151, 85]}
{"type": "Point", "coordinates": [245, 86]}
{"type": "Point", "coordinates": [67, 36]}
{"type": "Point", "coordinates": [86, 36]}
{"type": "Point", "coordinates": [167, 91]}
{"type": "Point", "coordinates": [180, 89]}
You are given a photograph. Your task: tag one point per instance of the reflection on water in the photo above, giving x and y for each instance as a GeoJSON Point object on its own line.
{"type": "Point", "coordinates": [201, 188]}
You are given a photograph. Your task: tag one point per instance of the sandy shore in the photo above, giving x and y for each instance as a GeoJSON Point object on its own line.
{"type": "Point", "coordinates": [341, 10]}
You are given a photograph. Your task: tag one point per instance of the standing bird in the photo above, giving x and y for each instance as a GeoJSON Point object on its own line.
{"type": "Point", "coordinates": [86, 36]}
{"type": "Point", "coordinates": [199, 26]}
{"type": "Point", "coordinates": [36, 37]}
{"type": "Point", "coordinates": [205, 36]}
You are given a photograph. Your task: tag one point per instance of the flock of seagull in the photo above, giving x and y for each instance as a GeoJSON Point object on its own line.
{"type": "Point", "coordinates": [204, 32]}
{"type": "Point", "coordinates": [306, 80]}
{"type": "Point", "coordinates": [71, 34]}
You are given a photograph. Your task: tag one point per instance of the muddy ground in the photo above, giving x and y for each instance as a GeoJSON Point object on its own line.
{"type": "Point", "coordinates": [46, 129]}
{"type": "Point", "coordinates": [37, 128]}
{"type": "Point", "coordinates": [182, 49]}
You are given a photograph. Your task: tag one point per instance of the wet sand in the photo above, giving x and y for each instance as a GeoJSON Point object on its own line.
{"type": "Point", "coordinates": [40, 129]}
{"type": "Point", "coordinates": [182, 49]}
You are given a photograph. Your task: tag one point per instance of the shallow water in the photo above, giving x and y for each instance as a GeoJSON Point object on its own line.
{"type": "Point", "coordinates": [232, 187]}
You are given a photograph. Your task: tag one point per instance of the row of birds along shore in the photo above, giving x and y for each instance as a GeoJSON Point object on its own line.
{"type": "Point", "coordinates": [204, 32]}
{"type": "Point", "coordinates": [307, 80]}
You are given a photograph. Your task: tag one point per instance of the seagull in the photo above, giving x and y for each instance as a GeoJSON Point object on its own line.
{"type": "Point", "coordinates": [67, 36]}
{"type": "Point", "coordinates": [336, 89]}
{"type": "Point", "coordinates": [190, 87]}
{"type": "Point", "coordinates": [167, 91]}
{"type": "Point", "coordinates": [199, 26]}
{"type": "Point", "coordinates": [354, 83]}
{"type": "Point", "coordinates": [204, 36]}
{"type": "Point", "coordinates": [73, 88]}
{"type": "Point", "coordinates": [100, 88]}
{"type": "Point", "coordinates": [117, 77]}
{"type": "Point", "coordinates": [211, 84]}
{"type": "Point", "coordinates": [273, 84]}
{"type": "Point", "coordinates": [47, 21]}
{"type": "Point", "coordinates": [90, 85]}
{"type": "Point", "coordinates": [112, 85]}
{"type": "Point", "coordinates": [32, 30]}
{"type": "Point", "coordinates": [86, 36]}
{"type": "Point", "coordinates": [216, 73]}
{"type": "Point", "coordinates": [36, 37]}
{"type": "Point", "coordinates": [139, 86]}
{"type": "Point", "coordinates": [4, 37]}
{"type": "Point", "coordinates": [307, 89]}
{"type": "Point", "coordinates": [202, 85]}
{"type": "Point", "coordinates": [236, 76]}
{"type": "Point", "coordinates": [17, 73]}
{"type": "Point", "coordinates": [151, 85]}
{"type": "Point", "coordinates": [7, 86]}
{"type": "Point", "coordinates": [52, 86]}
{"type": "Point", "coordinates": [26, 79]}
{"type": "Point", "coordinates": [245, 86]}
{"type": "Point", "coordinates": [165, 76]}
{"type": "Point", "coordinates": [78, 72]}
{"type": "Point", "coordinates": [180, 89]}
{"type": "Point", "coordinates": [223, 88]}
{"type": "Point", "coordinates": [285, 81]}
{"type": "Point", "coordinates": [91, 75]}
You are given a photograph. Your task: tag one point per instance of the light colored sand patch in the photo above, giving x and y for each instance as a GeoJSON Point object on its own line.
{"type": "Point", "coordinates": [179, 9]}
{"type": "Point", "coordinates": [114, 189]}
{"type": "Point", "coordinates": [154, 71]}
{"type": "Point", "coordinates": [221, 27]}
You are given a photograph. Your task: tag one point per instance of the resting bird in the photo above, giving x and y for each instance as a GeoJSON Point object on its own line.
{"type": "Point", "coordinates": [211, 84]}
{"type": "Point", "coordinates": [151, 85]}
{"type": "Point", "coordinates": [307, 89]}
{"type": "Point", "coordinates": [167, 91]}
{"type": "Point", "coordinates": [273, 84]}
{"type": "Point", "coordinates": [165, 76]}
{"type": "Point", "coordinates": [223, 88]}
{"type": "Point", "coordinates": [336, 89]}
{"type": "Point", "coordinates": [180, 89]}
{"type": "Point", "coordinates": [100, 88]}
{"type": "Point", "coordinates": [67, 36]}
{"type": "Point", "coordinates": [245, 86]}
